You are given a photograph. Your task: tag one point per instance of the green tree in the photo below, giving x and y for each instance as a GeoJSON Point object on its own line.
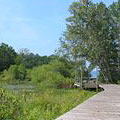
{"type": "Point", "coordinates": [91, 35]}
{"type": "Point", "coordinates": [7, 56]}
{"type": "Point", "coordinates": [115, 11]}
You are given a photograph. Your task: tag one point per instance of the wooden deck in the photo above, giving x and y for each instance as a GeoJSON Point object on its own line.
{"type": "Point", "coordinates": [103, 106]}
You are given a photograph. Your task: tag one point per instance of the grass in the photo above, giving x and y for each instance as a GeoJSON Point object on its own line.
{"type": "Point", "coordinates": [46, 94]}
{"type": "Point", "coordinates": [49, 103]}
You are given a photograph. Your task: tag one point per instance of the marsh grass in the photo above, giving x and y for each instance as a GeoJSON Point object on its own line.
{"type": "Point", "coordinates": [42, 104]}
{"type": "Point", "coordinates": [47, 95]}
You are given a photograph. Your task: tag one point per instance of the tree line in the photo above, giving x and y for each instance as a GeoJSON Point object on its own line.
{"type": "Point", "coordinates": [24, 66]}
{"type": "Point", "coordinates": [8, 56]}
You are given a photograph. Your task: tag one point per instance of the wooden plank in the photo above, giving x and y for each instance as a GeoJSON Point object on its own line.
{"type": "Point", "coordinates": [103, 106]}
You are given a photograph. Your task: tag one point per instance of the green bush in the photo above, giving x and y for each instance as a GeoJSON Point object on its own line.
{"type": "Point", "coordinates": [49, 75]}
{"type": "Point", "coordinates": [21, 72]}
{"type": "Point", "coordinates": [10, 106]}
{"type": "Point", "coordinates": [14, 73]}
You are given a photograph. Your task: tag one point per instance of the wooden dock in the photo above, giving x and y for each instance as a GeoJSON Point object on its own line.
{"type": "Point", "coordinates": [103, 106]}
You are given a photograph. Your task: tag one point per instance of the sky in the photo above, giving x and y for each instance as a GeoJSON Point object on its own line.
{"type": "Point", "coordinates": [34, 24]}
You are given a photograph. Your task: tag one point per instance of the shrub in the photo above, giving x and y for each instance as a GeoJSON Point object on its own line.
{"type": "Point", "coordinates": [49, 75]}
{"type": "Point", "coordinates": [10, 106]}
{"type": "Point", "coordinates": [21, 72]}
{"type": "Point", "coordinates": [14, 73]}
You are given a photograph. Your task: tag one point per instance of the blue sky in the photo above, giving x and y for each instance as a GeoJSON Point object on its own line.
{"type": "Point", "coordinates": [34, 24]}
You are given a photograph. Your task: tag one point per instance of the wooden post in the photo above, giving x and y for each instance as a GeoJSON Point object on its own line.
{"type": "Point", "coordinates": [81, 79]}
{"type": "Point", "coordinates": [75, 68]}
{"type": "Point", "coordinates": [97, 84]}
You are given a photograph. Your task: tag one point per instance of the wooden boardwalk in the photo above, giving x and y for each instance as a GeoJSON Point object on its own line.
{"type": "Point", "coordinates": [103, 106]}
